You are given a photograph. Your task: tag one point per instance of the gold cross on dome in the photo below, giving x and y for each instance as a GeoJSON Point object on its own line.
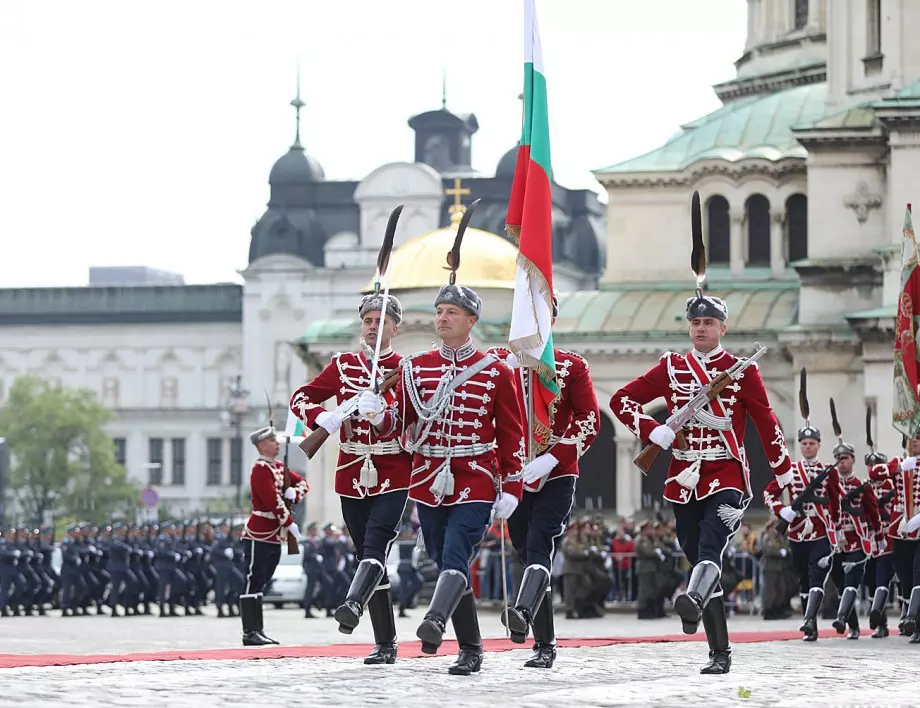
{"type": "Point", "coordinates": [456, 209]}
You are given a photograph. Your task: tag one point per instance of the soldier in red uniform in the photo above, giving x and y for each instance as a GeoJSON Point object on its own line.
{"type": "Point", "coordinates": [854, 512]}
{"type": "Point", "coordinates": [709, 483]}
{"type": "Point", "coordinates": [538, 523]}
{"type": "Point", "coordinates": [268, 526]}
{"type": "Point", "coordinates": [904, 527]}
{"type": "Point", "coordinates": [884, 563]}
{"type": "Point", "coordinates": [461, 416]}
{"type": "Point", "coordinates": [809, 529]}
{"type": "Point", "coordinates": [372, 476]}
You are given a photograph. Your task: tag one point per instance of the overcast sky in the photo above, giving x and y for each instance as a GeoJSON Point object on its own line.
{"type": "Point", "coordinates": [142, 133]}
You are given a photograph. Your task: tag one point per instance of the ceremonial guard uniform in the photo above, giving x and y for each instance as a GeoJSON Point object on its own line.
{"type": "Point", "coordinates": [461, 416]}
{"type": "Point", "coordinates": [854, 512]}
{"type": "Point", "coordinates": [904, 527]}
{"type": "Point", "coordinates": [708, 483]}
{"type": "Point", "coordinates": [804, 506]}
{"type": "Point", "coordinates": [884, 490]}
{"type": "Point", "coordinates": [537, 525]}
{"type": "Point", "coordinates": [268, 526]}
{"type": "Point", "coordinates": [372, 476]}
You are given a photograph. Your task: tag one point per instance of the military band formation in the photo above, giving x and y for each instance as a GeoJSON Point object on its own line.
{"type": "Point", "coordinates": [448, 429]}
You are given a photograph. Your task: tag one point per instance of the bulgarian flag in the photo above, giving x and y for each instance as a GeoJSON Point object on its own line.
{"type": "Point", "coordinates": [906, 408]}
{"type": "Point", "coordinates": [530, 223]}
{"type": "Point", "coordinates": [293, 428]}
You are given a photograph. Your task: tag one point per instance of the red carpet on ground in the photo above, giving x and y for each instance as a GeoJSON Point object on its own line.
{"type": "Point", "coordinates": [407, 650]}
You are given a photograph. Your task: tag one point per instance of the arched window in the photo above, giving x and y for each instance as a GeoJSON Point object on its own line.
{"type": "Point", "coordinates": [719, 230]}
{"type": "Point", "coordinates": [797, 227]}
{"type": "Point", "coordinates": [757, 213]}
{"type": "Point", "coordinates": [801, 13]}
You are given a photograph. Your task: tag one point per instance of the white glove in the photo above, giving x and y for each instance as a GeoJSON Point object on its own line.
{"type": "Point", "coordinates": [370, 405]}
{"type": "Point", "coordinates": [660, 553]}
{"type": "Point", "coordinates": [787, 514]}
{"type": "Point", "coordinates": [228, 553]}
{"type": "Point", "coordinates": [177, 557]}
{"type": "Point", "coordinates": [330, 421]}
{"type": "Point", "coordinates": [512, 361]}
{"type": "Point", "coordinates": [909, 463]}
{"type": "Point", "coordinates": [17, 553]}
{"type": "Point", "coordinates": [92, 549]}
{"type": "Point", "coordinates": [505, 505]}
{"type": "Point", "coordinates": [783, 552]}
{"type": "Point", "coordinates": [882, 546]}
{"type": "Point", "coordinates": [913, 524]}
{"type": "Point", "coordinates": [290, 494]}
{"type": "Point", "coordinates": [150, 554]}
{"type": "Point", "coordinates": [538, 468]}
{"type": "Point", "coordinates": [294, 531]}
{"type": "Point", "coordinates": [662, 436]}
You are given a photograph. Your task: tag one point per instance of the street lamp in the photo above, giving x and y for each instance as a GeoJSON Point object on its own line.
{"type": "Point", "coordinates": [235, 412]}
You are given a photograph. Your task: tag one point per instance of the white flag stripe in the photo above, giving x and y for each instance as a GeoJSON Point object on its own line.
{"type": "Point", "coordinates": [533, 51]}
{"type": "Point", "coordinates": [531, 318]}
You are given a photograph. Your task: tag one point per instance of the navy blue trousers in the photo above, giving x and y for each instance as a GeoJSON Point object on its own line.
{"type": "Point", "coordinates": [701, 532]}
{"type": "Point", "coordinates": [907, 565]}
{"type": "Point", "coordinates": [453, 533]}
{"type": "Point", "coordinates": [851, 578]}
{"type": "Point", "coordinates": [884, 571]}
{"type": "Point", "coordinates": [373, 523]}
{"type": "Point", "coordinates": [805, 558]}
{"type": "Point", "coordinates": [537, 525]}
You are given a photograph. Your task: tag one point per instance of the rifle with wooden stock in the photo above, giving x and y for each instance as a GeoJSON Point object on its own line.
{"type": "Point", "coordinates": [314, 441]}
{"type": "Point", "coordinates": [695, 408]}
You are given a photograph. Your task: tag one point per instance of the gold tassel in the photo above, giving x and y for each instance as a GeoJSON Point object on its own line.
{"type": "Point", "coordinates": [368, 473]}
{"type": "Point", "coordinates": [690, 477]}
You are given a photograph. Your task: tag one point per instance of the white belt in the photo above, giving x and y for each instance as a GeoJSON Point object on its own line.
{"type": "Point", "coordinates": [474, 450]}
{"type": "Point", "coordinates": [264, 514]}
{"type": "Point", "coordinates": [704, 455]}
{"type": "Point", "coordinates": [390, 447]}
{"type": "Point", "coordinates": [848, 527]}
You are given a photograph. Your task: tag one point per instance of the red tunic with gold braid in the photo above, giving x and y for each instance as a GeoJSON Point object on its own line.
{"type": "Point", "coordinates": [347, 375]}
{"type": "Point", "coordinates": [465, 428]}
{"type": "Point", "coordinates": [718, 454]}
{"type": "Point", "coordinates": [576, 420]}
{"type": "Point", "coordinates": [906, 501]}
{"type": "Point", "coordinates": [881, 488]}
{"type": "Point", "coordinates": [816, 521]}
{"type": "Point", "coordinates": [270, 517]}
{"type": "Point", "coordinates": [856, 532]}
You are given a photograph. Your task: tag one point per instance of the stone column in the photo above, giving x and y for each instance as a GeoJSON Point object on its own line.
{"type": "Point", "coordinates": [736, 244]}
{"type": "Point", "coordinates": [816, 10]}
{"type": "Point", "coordinates": [778, 244]}
{"type": "Point", "coordinates": [629, 478]}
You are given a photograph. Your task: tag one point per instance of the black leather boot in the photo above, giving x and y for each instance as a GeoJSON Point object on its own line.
{"type": "Point", "coordinates": [803, 600]}
{"type": "Point", "coordinates": [847, 600]}
{"type": "Point", "coordinates": [533, 589]}
{"type": "Point", "coordinates": [450, 587]}
{"type": "Point", "coordinates": [812, 607]}
{"type": "Point", "coordinates": [249, 607]}
{"type": "Point", "coordinates": [367, 578]}
{"type": "Point", "coordinates": [544, 635]}
{"type": "Point", "coordinates": [261, 622]}
{"type": "Point", "coordinates": [689, 605]}
{"type": "Point", "coordinates": [877, 616]}
{"type": "Point", "coordinates": [853, 622]}
{"type": "Point", "coordinates": [466, 627]}
{"type": "Point", "coordinates": [913, 610]}
{"type": "Point", "coordinates": [380, 608]}
{"type": "Point", "coordinates": [903, 617]}
{"type": "Point", "coordinates": [716, 626]}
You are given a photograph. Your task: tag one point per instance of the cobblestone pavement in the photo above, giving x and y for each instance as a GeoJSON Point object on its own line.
{"type": "Point", "coordinates": [123, 635]}
{"type": "Point", "coordinates": [782, 674]}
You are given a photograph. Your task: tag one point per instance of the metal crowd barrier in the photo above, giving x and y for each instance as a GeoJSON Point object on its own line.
{"type": "Point", "coordinates": [746, 598]}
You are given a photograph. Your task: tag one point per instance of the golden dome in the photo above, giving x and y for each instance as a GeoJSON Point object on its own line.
{"type": "Point", "coordinates": [486, 261]}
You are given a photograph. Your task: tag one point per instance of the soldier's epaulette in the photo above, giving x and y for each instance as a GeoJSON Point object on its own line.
{"type": "Point", "coordinates": [666, 355]}
{"type": "Point", "coordinates": [575, 355]}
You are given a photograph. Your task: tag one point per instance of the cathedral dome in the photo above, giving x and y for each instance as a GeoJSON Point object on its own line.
{"type": "Point", "coordinates": [296, 167]}
{"type": "Point", "coordinates": [486, 261]}
{"type": "Point", "coordinates": [507, 164]}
